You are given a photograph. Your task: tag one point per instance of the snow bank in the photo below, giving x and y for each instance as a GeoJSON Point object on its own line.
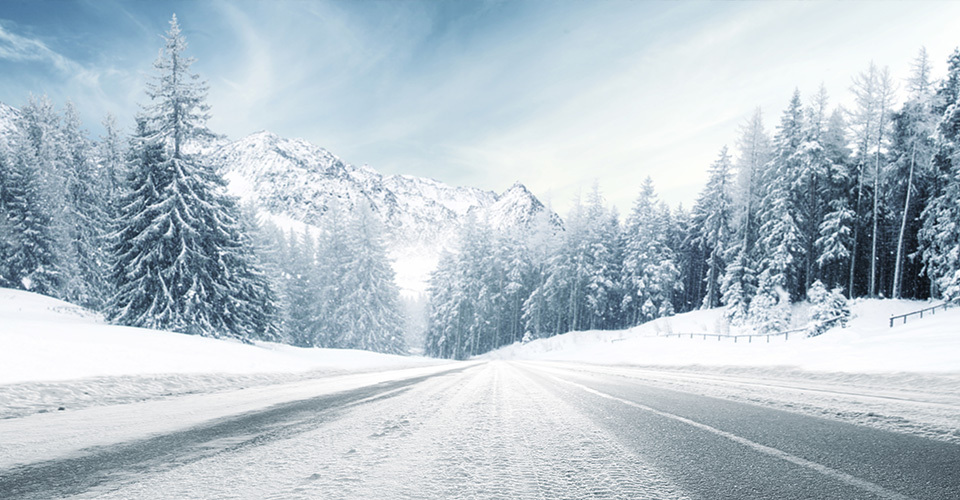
{"type": "Point", "coordinates": [54, 354]}
{"type": "Point", "coordinates": [867, 345]}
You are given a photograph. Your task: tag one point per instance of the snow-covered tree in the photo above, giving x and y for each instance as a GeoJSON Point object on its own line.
{"type": "Point", "coordinates": [770, 308]}
{"type": "Point", "coordinates": [940, 234]}
{"type": "Point", "coordinates": [32, 192]}
{"type": "Point", "coordinates": [712, 219]}
{"type": "Point", "coordinates": [912, 150]}
{"type": "Point", "coordinates": [111, 154]}
{"type": "Point", "coordinates": [738, 287]}
{"type": "Point", "coordinates": [827, 307]}
{"type": "Point", "coordinates": [180, 260]}
{"type": "Point", "coordinates": [781, 240]}
{"type": "Point", "coordinates": [86, 217]}
{"type": "Point", "coordinates": [649, 273]}
{"type": "Point", "coordinates": [301, 291]}
{"type": "Point", "coordinates": [874, 91]}
{"type": "Point", "coordinates": [371, 311]}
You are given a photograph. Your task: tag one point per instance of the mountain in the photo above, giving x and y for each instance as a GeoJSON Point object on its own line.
{"type": "Point", "coordinates": [292, 179]}
{"type": "Point", "coordinates": [294, 182]}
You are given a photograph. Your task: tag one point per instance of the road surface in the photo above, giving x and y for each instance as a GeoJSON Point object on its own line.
{"type": "Point", "coordinates": [506, 430]}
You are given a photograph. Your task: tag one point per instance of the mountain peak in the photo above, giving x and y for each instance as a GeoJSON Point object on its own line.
{"type": "Point", "coordinates": [297, 180]}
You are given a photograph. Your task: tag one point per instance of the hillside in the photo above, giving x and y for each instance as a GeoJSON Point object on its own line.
{"type": "Point", "coordinates": [53, 353]}
{"type": "Point", "coordinates": [868, 344]}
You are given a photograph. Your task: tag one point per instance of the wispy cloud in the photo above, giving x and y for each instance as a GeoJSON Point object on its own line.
{"type": "Point", "coordinates": [14, 47]}
{"type": "Point", "coordinates": [553, 94]}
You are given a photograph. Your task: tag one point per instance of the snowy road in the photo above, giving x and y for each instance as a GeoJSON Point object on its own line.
{"type": "Point", "coordinates": [504, 430]}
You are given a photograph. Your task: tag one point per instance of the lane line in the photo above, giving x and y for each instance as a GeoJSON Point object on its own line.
{"type": "Point", "coordinates": [648, 374]}
{"type": "Point", "coordinates": [863, 484]}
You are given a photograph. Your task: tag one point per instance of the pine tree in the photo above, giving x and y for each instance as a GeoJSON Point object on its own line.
{"type": "Point", "coordinates": [781, 243]}
{"type": "Point", "coordinates": [8, 239]}
{"type": "Point", "coordinates": [649, 275]}
{"type": "Point", "coordinates": [180, 263]}
{"type": "Point", "coordinates": [874, 91]}
{"type": "Point", "coordinates": [712, 218]}
{"type": "Point", "coordinates": [32, 257]}
{"type": "Point", "coordinates": [86, 217]}
{"type": "Point", "coordinates": [940, 234]}
{"type": "Point", "coordinates": [301, 290]}
{"type": "Point", "coordinates": [739, 281]}
{"type": "Point", "coordinates": [111, 154]}
{"type": "Point", "coordinates": [770, 308]}
{"type": "Point", "coordinates": [827, 308]}
{"type": "Point", "coordinates": [834, 240]}
{"type": "Point", "coordinates": [371, 307]}
{"type": "Point", "coordinates": [738, 287]}
{"type": "Point", "coordinates": [913, 149]}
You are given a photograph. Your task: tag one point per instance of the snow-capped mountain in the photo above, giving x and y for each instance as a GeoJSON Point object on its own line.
{"type": "Point", "coordinates": [294, 179]}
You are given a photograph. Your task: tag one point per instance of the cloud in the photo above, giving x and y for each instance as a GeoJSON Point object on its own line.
{"type": "Point", "coordinates": [14, 47]}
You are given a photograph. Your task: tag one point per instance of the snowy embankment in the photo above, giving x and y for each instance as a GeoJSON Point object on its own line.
{"type": "Point", "coordinates": [55, 355]}
{"type": "Point", "coordinates": [867, 345]}
{"type": "Point", "coordinates": [905, 378]}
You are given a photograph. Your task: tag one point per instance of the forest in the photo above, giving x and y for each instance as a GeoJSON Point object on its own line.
{"type": "Point", "coordinates": [830, 204]}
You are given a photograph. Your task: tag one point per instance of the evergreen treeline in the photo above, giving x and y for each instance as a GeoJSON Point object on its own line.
{"type": "Point", "coordinates": [143, 230]}
{"type": "Point", "coordinates": [832, 202]}
{"type": "Point", "coordinates": [837, 202]}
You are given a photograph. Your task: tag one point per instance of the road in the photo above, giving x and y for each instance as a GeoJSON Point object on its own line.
{"type": "Point", "coordinates": [506, 430]}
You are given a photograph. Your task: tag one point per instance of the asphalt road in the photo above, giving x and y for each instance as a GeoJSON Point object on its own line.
{"type": "Point", "coordinates": [507, 430]}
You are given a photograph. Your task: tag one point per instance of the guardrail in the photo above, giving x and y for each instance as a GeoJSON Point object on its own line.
{"type": "Point", "coordinates": [749, 337]}
{"type": "Point", "coordinates": [919, 312]}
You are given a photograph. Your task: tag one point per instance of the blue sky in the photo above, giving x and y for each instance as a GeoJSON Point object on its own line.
{"type": "Point", "coordinates": [554, 94]}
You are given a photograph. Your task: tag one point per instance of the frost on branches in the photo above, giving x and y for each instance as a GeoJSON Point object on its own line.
{"type": "Point", "coordinates": [181, 260]}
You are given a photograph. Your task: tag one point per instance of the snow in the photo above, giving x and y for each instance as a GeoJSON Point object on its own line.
{"type": "Point", "coordinates": [904, 379]}
{"type": "Point", "coordinates": [292, 182]}
{"type": "Point", "coordinates": [54, 354]}
{"type": "Point", "coordinates": [8, 120]}
{"type": "Point", "coordinates": [868, 345]}
{"type": "Point", "coordinates": [491, 431]}
{"type": "Point", "coordinates": [49, 436]}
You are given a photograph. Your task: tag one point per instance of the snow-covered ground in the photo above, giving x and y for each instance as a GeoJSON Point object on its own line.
{"type": "Point", "coordinates": [905, 378]}
{"type": "Point", "coordinates": [56, 355]}
{"type": "Point", "coordinates": [867, 345]}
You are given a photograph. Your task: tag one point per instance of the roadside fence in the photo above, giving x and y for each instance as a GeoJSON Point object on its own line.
{"type": "Point", "coordinates": [932, 310]}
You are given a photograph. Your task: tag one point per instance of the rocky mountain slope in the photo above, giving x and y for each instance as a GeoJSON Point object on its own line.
{"type": "Point", "coordinates": [292, 179]}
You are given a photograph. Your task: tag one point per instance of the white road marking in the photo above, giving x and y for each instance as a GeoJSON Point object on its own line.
{"type": "Point", "coordinates": [874, 488]}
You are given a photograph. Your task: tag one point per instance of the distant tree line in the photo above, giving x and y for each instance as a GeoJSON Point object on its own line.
{"type": "Point", "coordinates": [857, 203]}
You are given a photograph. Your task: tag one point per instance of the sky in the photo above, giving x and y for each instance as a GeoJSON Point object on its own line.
{"type": "Point", "coordinates": [558, 95]}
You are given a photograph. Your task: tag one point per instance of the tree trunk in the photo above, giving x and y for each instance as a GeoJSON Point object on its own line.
{"type": "Point", "coordinates": [876, 204]}
{"type": "Point", "coordinates": [856, 231]}
{"type": "Point", "coordinates": [898, 269]}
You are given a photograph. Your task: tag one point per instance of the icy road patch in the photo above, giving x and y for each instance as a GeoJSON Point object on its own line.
{"type": "Point", "coordinates": [489, 432]}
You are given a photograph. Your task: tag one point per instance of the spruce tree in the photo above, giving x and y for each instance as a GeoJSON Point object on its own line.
{"type": "Point", "coordinates": [32, 257]}
{"type": "Point", "coordinates": [371, 311]}
{"type": "Point", "coordinates": [180, 262]}
{"type": "Point", "coordinates": [86, 217]}
{"type": "Point", "coordinates": [781, 240]}
{"type": "Point", "coordinates": [712, 218]}
{"type": "Point", "coordinates": [940, 235]}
